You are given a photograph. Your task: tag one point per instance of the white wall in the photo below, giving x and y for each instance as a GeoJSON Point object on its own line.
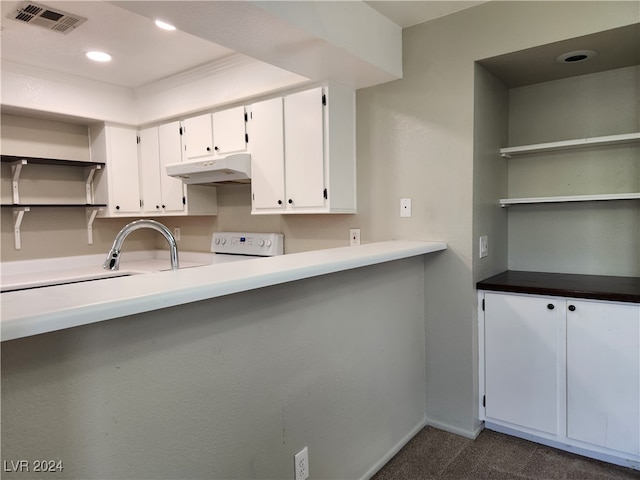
{"type": "Point", "coordinates": [228, 388]}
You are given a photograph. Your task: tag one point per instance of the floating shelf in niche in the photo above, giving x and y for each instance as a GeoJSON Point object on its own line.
{"type": "Point", "coordinates": [505, 202]}
{"type": "Point", "coordinates": [620, 139]}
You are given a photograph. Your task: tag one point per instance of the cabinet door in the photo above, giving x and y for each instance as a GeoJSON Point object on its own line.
{"type": "Point", "coordinates": [149, 170]}
{"type": "Point", "coordinates": [267, 155]}
{"type": "Point", "coordinates": [603, 374]}
{"type": "Point", "coordinates": [522, 360]}
{"type": "Point", "coordinates": [229, 131]}
{"type": "Point", "coordinates": [198, 137]}
{"type": "Point", "coordinates": [122, 160]}
{"type": "Point", "coordinates": [304, 149]}
{"type": "Point", "coordinates": [170, 147]}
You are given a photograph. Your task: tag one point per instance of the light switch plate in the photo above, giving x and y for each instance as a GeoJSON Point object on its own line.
{"type": "Point", "coordinates": [484, 246]}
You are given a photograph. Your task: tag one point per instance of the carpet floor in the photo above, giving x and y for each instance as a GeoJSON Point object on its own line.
{"type": "Point", "coordinates": [438, 455]}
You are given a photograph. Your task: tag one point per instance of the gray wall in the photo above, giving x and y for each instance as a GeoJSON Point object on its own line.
{"type": "Point", "coordinates": [228, 388]}
{"type": "Point", "coordinates": [593, 237]}
{"type": "Point", "coordinates": [490, 172]}
{"type": "Point", "coordinates": [419, 142]}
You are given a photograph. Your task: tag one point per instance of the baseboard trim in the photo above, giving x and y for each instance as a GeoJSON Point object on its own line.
{"type": "Point", "coordinates": [616, 460]}
{"type": "Point", "coordinates": [472, 434]}
{"type": "Point", "coordinates": [389, 455]}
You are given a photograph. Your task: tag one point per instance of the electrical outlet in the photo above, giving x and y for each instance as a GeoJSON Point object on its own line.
{"type": "Point", "coordinates": [301, 462]}
{"type": "Point", "coordinates": [484, 246]}
{"type": "Point", "coordinates": [176, 233]}
{"type": "Point", "coordinates": [354, 237]}
{"type": "Point", "coordinates": [405, 207]}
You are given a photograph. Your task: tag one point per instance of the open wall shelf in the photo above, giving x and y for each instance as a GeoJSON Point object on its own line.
{"type": "Point", "coordinates": [19, 208]}
{"type": "Point", "coordinates": [505, 202]}
{"type": "Point", "coordinates": [610, 140]}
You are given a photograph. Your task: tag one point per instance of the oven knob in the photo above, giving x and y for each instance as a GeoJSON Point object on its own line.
{"type": "Point", "coordinates": [268, 243]}
{"type": "Point", "coordinates": [262, 243]}
{"type": "Point", "coordinates": [224, 241]}
{"type": "Point", "coordinates": [217, 240]}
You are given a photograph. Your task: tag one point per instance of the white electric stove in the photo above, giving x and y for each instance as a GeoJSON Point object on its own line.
{"type": "Point", "coordinates": [236, 246]}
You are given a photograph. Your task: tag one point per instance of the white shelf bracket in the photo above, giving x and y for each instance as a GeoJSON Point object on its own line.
{"type": "Point", "coordinates": [18, 214]}
{"type": "Point", "coordinates": [90, 171]}
{"type": "Point", "coordinates": [91, 213]}
{"type": "Point", "coordinates": [16, 169]}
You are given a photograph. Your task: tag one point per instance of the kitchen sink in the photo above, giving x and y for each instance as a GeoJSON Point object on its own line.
{"type": "Point", "coordinates": [63, 281]}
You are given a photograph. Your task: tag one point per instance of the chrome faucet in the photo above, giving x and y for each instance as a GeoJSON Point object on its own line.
{"type": "Point", "coordinates": [113, 258]}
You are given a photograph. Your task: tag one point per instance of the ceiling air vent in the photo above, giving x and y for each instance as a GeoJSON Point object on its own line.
{"type": "Point", "coordinates": [49, 18]}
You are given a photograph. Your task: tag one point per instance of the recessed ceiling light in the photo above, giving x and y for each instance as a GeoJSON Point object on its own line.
{"type": "Point", "coordinates": [164, 25]}
{"type": "Point", "coordinates": [98, 56]}
{"type": "Point", "coordinates": [576, 56]}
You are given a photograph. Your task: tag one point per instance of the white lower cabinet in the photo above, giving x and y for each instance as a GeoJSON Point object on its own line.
{"type": "Point", "coordinates": [563, 371]}
{"type": "Point", "coordinates": [603, 374]}
{"type": "Point", "coordinates": [523, 340]}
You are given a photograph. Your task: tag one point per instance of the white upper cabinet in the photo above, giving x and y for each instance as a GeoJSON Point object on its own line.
{"type": "Point", "coordinates": [160, 192]}
{"type": "Point", "coordinates": [197, 137]}
{"type": "Point", "coordinates": [135, 182]}
{"type": "Point", "coordinates": [304, 147]}
{"type": "Point", "coordinates": [214, 134]}
{"type": "Point", "coordinates": [149, 153]}
{"type": "Point", "coordinates": [303, 152]}
{"type": "Point", "coordinates": [119, 185]}
{"type": "Point", "coordinates": [229, 131]}
{"type": "Point", "coordinates": [170, 151]}
{"type": "Point", "coordinates": [267, 155]}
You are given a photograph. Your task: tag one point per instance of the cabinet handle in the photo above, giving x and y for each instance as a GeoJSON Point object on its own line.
{"type": "Point", "coordinates": [163, 206]}
{"type": "Point", "coordinates": [208, 149]}
{"type": "Point", "coordinates": [290, 201]}
{"type": "Point", "coordinates": [279, 202]}
{"type": "Point", "coordinates": [157, 207]}
{"type": "Point", "coordinates": [216, 148]}
{"type": "Point", "coordinates": [572, 308]}
{"type": "Point", "coordinates": [117, 207]}
{"type": "Point", "coordinates": [551, 306]}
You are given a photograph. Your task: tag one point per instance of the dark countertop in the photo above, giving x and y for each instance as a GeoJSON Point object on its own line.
{"type": "Point", "coordinates": [596, 287]}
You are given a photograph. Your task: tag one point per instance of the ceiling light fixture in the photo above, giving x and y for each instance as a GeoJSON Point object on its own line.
{"type": "Point", "coordinates": [576, 56]}
{"type": "Point", "coordinates": [164, 25]}
{"type": "Point", "coordinates": [98, 56]}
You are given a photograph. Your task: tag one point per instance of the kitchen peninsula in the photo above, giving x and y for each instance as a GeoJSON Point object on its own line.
{"type": "Point", "coordinates": [31, 312]}
{"type": "Point", "coordinates": [323, 349]}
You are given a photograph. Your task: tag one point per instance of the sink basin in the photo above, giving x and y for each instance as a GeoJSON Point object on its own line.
{"type": "Point", "coordinates": [63, 281]}
{"type": "Point", "coordinates": [38, 273]}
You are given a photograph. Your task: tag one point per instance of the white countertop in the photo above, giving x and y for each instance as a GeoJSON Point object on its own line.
{"type": "Point", "coordinates": [41, 310]}
{"type": "Point", "coordinates": [50, 271]}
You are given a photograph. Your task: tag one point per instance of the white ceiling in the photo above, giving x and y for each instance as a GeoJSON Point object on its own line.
{"type": "Point", "coordinates": [143, 53]}
{"type": "Point", "coordinates": [408, 13]}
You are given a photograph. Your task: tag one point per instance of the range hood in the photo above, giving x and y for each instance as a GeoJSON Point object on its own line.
{"type": "Point", "coordinates": [231, 169]}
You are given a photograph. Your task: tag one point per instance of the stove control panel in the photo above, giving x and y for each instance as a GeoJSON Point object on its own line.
{"type": "Point", "coordinates": [255, 244]}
